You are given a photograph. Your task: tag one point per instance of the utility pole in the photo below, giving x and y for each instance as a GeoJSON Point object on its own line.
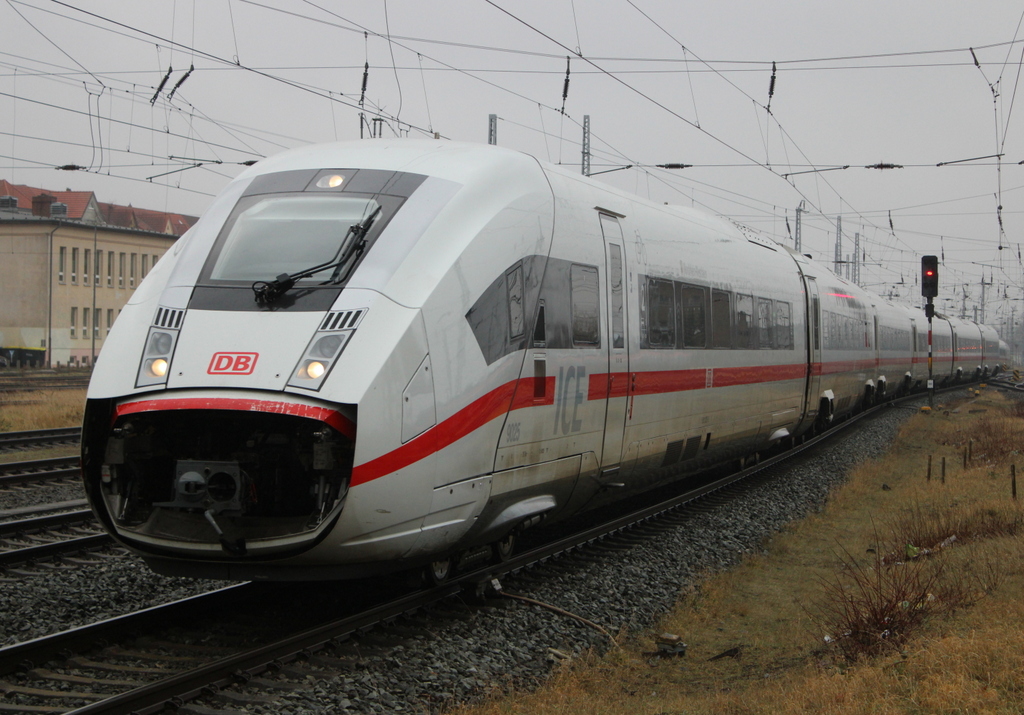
{"type": "Point", "coordinates": [586, 145]}
{"type": "Point", "coordinates": [983, 284]}
{"type": "Point", "coordinates": [492, 129]}
{"type": "Point", "coordinates": [856, 258]}
{"type": "Point", "coordinates": [797, 242]}
{"type": "Point", "coordinates": [837, 261]}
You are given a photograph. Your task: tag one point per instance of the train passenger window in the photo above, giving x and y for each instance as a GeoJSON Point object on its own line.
{"type": "Point", "coordinates": [721, 319]}
{"type": "Point", "coordinates": [765, 332]}
{"type": "Point", "coordinates": [746, 335]}
{"type": "Point", "coordinates": [661, 312]}
{"type": "Point", "coordinates": [514, 283]}
{"type": "Point", "coordinates": [692, 304]}
{"type": "Point", "coordinates": [783, 325]}
{"type": "Point", "coordinates": [586, 313]}
{"type": "Point", "coordinates": [615, 277]}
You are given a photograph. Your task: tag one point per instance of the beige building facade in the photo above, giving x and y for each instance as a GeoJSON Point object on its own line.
{"type": "Point", "coordinates": [63, 283]}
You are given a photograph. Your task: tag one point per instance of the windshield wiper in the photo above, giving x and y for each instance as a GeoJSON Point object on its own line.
{"type": "Point", "coordinates": [353, 245]}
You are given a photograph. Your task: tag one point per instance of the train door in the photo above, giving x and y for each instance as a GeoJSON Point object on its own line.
{"type": "Point", "coordinates": [618, 353]}
{"type": "Point", "coordinates": [813, 347]}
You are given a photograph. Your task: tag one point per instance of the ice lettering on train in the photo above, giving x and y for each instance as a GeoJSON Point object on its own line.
{"type": "Point", "coordinates": [574, 377]}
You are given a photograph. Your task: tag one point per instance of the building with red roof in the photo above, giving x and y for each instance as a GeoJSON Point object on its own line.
{"type": "Point", "coordinates": [68, 264]}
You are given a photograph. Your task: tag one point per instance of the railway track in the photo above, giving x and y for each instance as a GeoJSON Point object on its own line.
{"type": "Point", "coordinates": [174, 672]}
{"type": "Point", "coordinates": [18, 380]}
{"type": "Point", "coordinates": [39, 471]}
{"type": "Point", "coordinates": [41, 437]}
{"type": "Point", "coordinates": [51, 536]}
{"type": "Point", "coordinates": [67, 671]}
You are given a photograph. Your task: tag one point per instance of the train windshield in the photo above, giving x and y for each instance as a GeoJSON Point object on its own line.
{"type": "Point", "coordinates": [273, 234]}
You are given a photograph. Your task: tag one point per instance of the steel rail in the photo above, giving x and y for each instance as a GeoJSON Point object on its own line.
{"type": "Point", "coordinates": [10, 440]}
{"type": "Point", "coordinates": [39, 465]}
{"type": "Point", "coordinates": [44, 523]}
{"type": "Point", "coordinates": [40, 552]}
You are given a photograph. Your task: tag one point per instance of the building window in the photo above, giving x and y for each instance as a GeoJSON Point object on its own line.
{"type": "Point", "coordinates": [110, 269]}
{"type": "Point", "coordinates": [110, 319]}
{"type": "Point", "coordinates": [74, 266]}
{"type": "Point", "coordinates": [86, 267]}
{"type": "Point", "coordinates": [96, 323]}
{"type": "Point", "coordinates": [96, 269]}
{"type": "Point", "coordinates": [61, 263]}
{"type": "Point", "coordinates": [120, 271]}
{"type": "Point", "coordinates": [131, 275]}
{"type": "Point", "coordinates": [85, 323]}
{"type": "Point", "coordinates": [155, 257]}
{"type": "Point", "coordinates": [145, 266]}
{"type": "Point", "coordinates": [74, 321]}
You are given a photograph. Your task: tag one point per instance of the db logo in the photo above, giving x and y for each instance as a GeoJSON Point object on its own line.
{"type": "Point", "coordinates": [232, 364]}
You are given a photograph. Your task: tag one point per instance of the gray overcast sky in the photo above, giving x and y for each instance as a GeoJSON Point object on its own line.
{"type": "Point", "coordinates": [857, 83]}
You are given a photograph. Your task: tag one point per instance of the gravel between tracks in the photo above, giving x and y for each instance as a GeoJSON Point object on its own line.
{"type": "Point", "coordinates": [484, 648]}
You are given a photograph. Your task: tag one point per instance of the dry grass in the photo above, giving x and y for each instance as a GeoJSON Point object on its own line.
{"type": "Point", "coordinates": [41, 410]}
{"type": "Point", "coordinates": [878, 558]}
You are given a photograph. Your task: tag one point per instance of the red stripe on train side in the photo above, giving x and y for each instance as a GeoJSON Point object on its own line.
{"type": "Point", "coordinates": [608, 384]}
{"type": "Point", "coordinates": [728, 376]}
{"type": "Point", "coordinates": [332, 417]}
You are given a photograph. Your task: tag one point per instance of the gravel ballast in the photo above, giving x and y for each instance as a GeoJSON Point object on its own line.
{"type": "Point", "coordinates": [474, 650]}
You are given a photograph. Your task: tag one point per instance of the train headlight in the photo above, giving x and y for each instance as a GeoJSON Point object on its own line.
{"type": "Point", "coordinates": [156, 368]}
{"type": "Point", "coordinates": [160, 344]}
{"type": "Point", "coordinates": [156, 355]}
{"type": "Point", "coordinates": [318, 358]}
{"type": "Point", "coordinates": [330, 181]}
{"type": "Point", "coordinates": [315, 369]}
{"type": "Point", "coordinates": [327, 346]}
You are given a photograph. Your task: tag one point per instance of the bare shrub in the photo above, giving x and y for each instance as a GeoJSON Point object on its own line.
{"type": "Point", "coordinates": [873, 609]}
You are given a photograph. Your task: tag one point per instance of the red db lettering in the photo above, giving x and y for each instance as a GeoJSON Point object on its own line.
{"type": "Point", "coordinates": [232, 363]}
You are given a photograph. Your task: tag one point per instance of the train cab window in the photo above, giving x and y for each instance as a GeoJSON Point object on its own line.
{"type": "Point", "coordinates": [783, 325]}
{"type": "Point", "coordinates": [586, 312]}
{"type": "Point", "coordinates": [765, 331]}
{"type": "Point", "coordinates": [746, 335]}
{"type": "Point", "coordinates": [661, 313]}
{"type": "Point", "coordinates": [514, 283]}
{"type": "Point", "coordinates": [540, 329]}
{"type": "Point", "coordinates": [692, 304]}
{"type": "Point", "coordinates": [721, 319]}
{"type": "Point", "coordinates": [273, 234]}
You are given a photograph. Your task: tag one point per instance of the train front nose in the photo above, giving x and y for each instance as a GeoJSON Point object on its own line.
{"type": "Point", "coordinates": [224, 477]}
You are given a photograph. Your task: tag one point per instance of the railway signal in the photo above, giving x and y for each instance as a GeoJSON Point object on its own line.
{"type": "Point", "coordinates": [929, 276]}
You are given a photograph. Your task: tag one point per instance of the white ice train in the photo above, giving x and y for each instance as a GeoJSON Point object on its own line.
{"type": "Point", "coordinates": [383, 355]}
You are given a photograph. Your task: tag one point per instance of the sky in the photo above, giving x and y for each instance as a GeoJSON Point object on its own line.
{"type": "Point", "coordinates": [160, 103]}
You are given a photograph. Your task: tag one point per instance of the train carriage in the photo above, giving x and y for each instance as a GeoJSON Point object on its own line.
{"type": "Point", "coordinates": [379, 355]}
